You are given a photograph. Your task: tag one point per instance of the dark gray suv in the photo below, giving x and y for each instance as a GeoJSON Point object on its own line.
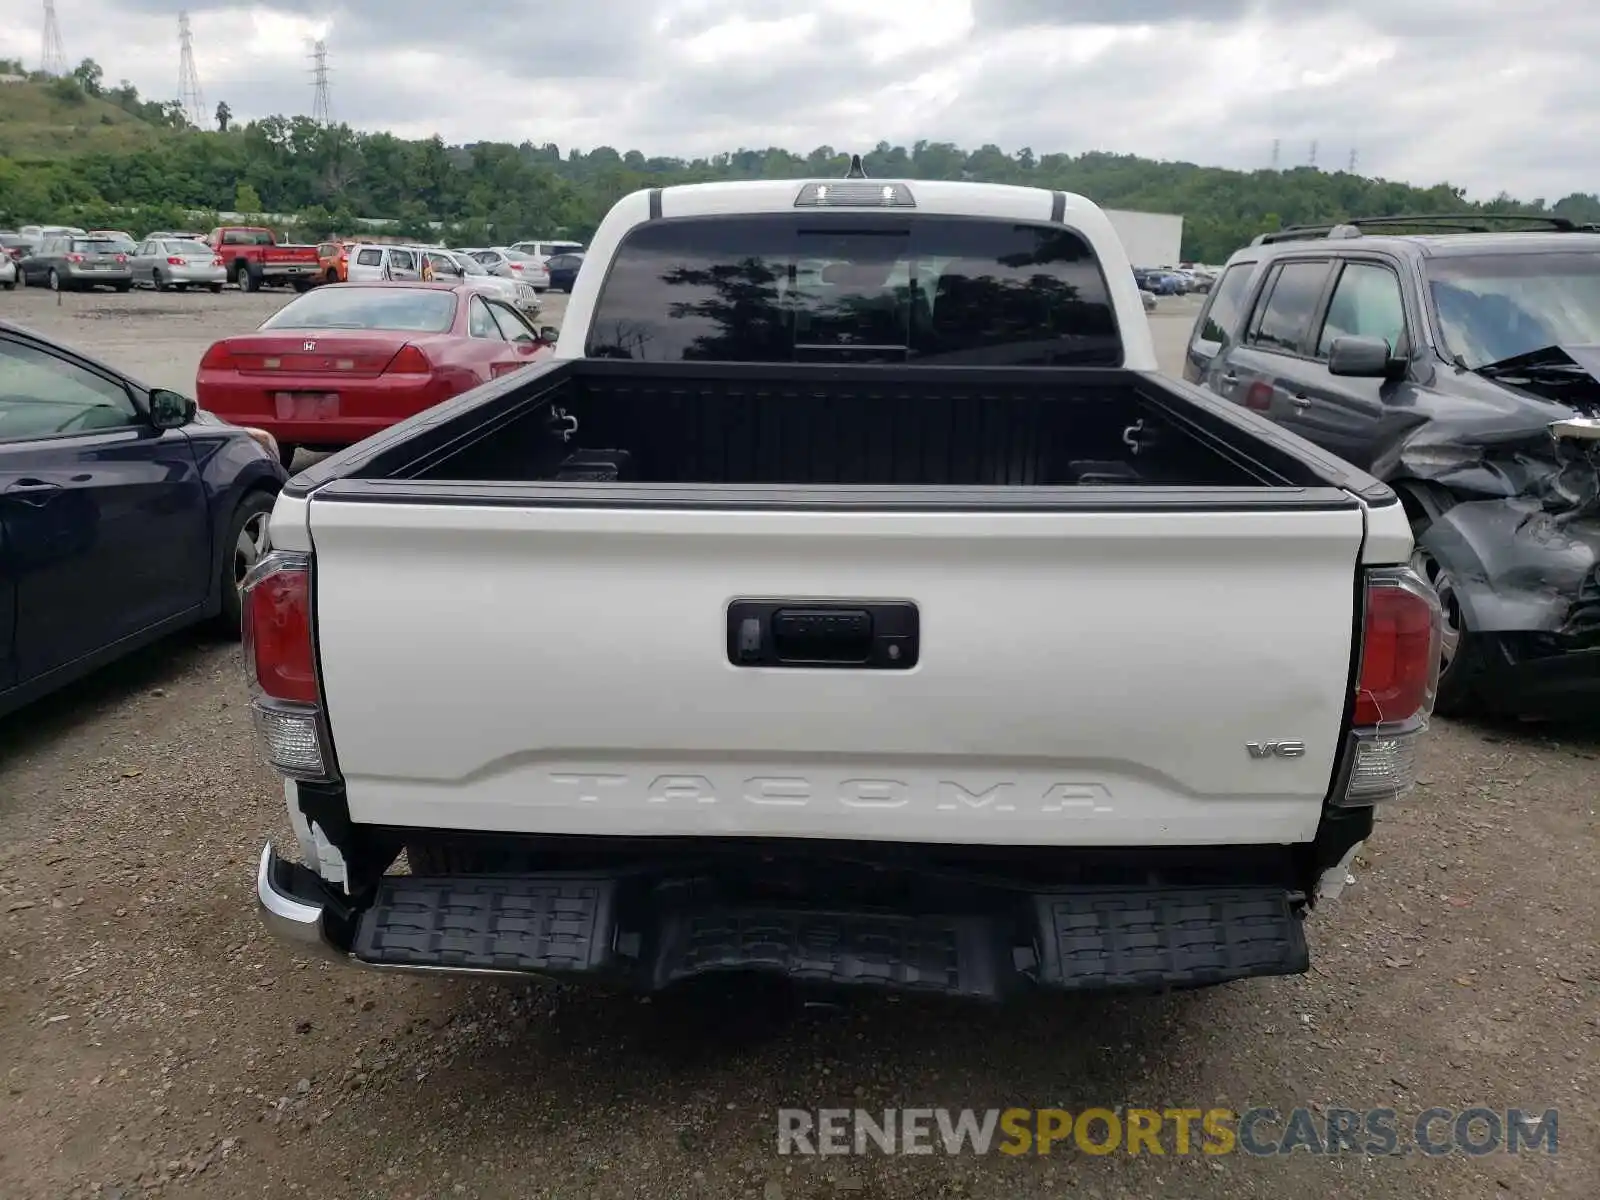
{"type": "Point", "coordinates": [1457, 358]}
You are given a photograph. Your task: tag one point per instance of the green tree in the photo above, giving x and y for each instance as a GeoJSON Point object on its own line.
{"type": "Point", "coordinates": [500, 192]}
{"type": "Point", "coordinates": [67, 89]}
{"type": "Point", "coordinates": [89, 76]}
{"type": "Point", "coordinates": [245, 200]}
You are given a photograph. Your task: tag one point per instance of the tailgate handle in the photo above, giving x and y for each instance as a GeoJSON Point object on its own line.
{"type": "Point", "coordinates": [822, 634]}
{"type": "Point", "coordinates": [841, 634]}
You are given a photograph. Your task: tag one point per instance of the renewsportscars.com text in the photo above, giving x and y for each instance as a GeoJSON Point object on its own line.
{"type": "Point", "coordinates": [1257, 1132]}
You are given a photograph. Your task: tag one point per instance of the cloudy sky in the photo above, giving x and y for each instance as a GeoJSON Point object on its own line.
{"type": "Point", "coordinates": [1421, 90]}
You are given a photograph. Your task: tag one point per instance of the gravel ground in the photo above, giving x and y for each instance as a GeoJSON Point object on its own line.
{"type": "Point", "coordinates": [153, 1039]}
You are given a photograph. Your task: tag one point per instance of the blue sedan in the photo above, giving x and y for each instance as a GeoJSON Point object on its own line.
{"type": "Point", "coordinates": [125, 514]}
{"type": "Point", "coordinates": [564, 270]}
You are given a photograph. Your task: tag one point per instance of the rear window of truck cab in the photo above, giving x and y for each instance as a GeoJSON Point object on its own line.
{"type": "Point", "coordinates": [855, 287]}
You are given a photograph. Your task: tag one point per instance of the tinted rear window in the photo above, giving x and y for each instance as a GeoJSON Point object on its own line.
{"type": "Point", "coordinates": [1227, 298]}
{"type": "Point", "coordinates": [1284, 311]}
{"type": "Point", "coordinates": [412, 309]}
{"type": "Point", "coordinates": [853, 287]}
{"type": "Point", "coordinates": [98, 246]}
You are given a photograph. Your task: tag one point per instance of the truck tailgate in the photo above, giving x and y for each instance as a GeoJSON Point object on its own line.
{"type": "Point", "coordinates": [1084, 678]}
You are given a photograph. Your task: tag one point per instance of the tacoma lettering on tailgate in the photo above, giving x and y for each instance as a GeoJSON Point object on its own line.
{"type": "Point", "coordinates": [796, 791]}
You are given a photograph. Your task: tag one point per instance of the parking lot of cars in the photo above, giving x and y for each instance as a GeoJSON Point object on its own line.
{"type": "Point", "coordinates": [156, 1038]}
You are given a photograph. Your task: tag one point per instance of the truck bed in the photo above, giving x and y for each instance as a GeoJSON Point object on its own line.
{"type": "Point", "coordinates": [591, 427]}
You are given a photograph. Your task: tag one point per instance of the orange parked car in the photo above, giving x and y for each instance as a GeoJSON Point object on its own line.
{"type": "Point", "coordinates": [333, 262]}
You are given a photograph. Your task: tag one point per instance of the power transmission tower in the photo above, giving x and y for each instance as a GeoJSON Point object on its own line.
{"type": "Point", "coordinates": [1352, 166]}
{"type": "Point", "coordinates": [1275, 144]}
{"type": "Point", "coordinates": [189, 95]}
{"type": "Point", "coordinates": [319, 77]}
{"type": "Point", "coordinates": [1313, 161]}
{"type": "Point", "coordinates": [52, 54]}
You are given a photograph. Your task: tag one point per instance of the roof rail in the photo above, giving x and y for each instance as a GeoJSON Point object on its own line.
{"type": "Point", "coordinates": [1468, 222]}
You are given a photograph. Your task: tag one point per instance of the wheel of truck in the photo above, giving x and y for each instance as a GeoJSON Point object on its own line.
{"type": "Point", "coordinates": [245, 544]}
{"type": "Point", "coordinates": [251, 280]}
{"type": "Point", "coordinates": [1461, 652]}
{"type": "Point", "coordinates": [304, 285]}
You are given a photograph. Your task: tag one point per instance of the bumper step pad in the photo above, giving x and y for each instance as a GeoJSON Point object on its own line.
{"type": "Point", "coordinates": [1181, 937]}
{"type": "Point", "coordinates": [1093, 939]}
{"type": "Point", "coordinates": [482, 923]}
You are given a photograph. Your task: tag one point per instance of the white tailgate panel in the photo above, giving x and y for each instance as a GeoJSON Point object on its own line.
{"type": "Point", "coordinates": [1085, 678]}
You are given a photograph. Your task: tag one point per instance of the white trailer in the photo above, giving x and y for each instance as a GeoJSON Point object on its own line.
{"type": "Point", "coordinates": [1151, 239]}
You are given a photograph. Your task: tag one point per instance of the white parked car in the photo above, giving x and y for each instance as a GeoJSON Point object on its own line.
{"type": "Point", "coordinates": [777, 632]}
{"type": "Point", "coordinates": [374, 263]}
{"type": "Point", "coordinates": [8, 271]}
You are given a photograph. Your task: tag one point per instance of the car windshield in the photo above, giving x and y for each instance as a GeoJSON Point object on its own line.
{"type": "Point", "coordinates": [853, 287]}
{"type": "Point", "coordinates": [1496, 306]}
{"type": "Point", "coordinates": [414, 310]}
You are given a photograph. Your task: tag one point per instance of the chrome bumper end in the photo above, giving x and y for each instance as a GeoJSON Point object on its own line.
{"type": "Point", "coordinates": [289, 913]}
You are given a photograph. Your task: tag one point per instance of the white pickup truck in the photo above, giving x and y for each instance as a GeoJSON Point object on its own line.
{"type": "Point", "coordinates": [849, 599]}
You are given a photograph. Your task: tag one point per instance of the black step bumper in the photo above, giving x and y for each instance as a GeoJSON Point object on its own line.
{"type": "Point", "coordinates": [598, 926]}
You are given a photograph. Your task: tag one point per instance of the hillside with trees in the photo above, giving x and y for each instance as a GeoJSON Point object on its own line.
{"type": "Point", "coordinates": [72, 149]}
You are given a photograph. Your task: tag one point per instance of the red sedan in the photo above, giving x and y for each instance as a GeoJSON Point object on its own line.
{"type": "Point", "coordinates": [338, 364]}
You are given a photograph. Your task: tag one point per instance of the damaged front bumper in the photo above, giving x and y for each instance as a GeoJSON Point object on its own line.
{"type": "Point", "coordinates": [1516, 558]}
{"type": "Point", "coordinates": [1526, 585]}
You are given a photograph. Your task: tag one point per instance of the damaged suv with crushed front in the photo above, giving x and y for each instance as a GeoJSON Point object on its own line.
{"type": "Point", "coordinates": [1461, 365]}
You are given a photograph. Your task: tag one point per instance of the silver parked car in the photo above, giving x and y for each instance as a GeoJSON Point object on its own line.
{"type": "Point", "coordinates": [456, 266]}
{"type": "Point", "coordinates": [177, 263]}
{"type": "Point", "coordinates": [511, 264]}
{"type": "Point", "coordinates": [68, 262]}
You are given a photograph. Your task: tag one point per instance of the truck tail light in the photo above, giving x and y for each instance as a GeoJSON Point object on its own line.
{"type": "Point", "coordinates": [1399, 674]}
{"type": "Point", "coordinates": [281, 664]}
{"type": "Point", "coordinates": [409, 361]}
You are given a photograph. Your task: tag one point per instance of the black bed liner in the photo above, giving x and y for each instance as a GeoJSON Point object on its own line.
{"type": "Point", "coordinates": [886, 438]}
